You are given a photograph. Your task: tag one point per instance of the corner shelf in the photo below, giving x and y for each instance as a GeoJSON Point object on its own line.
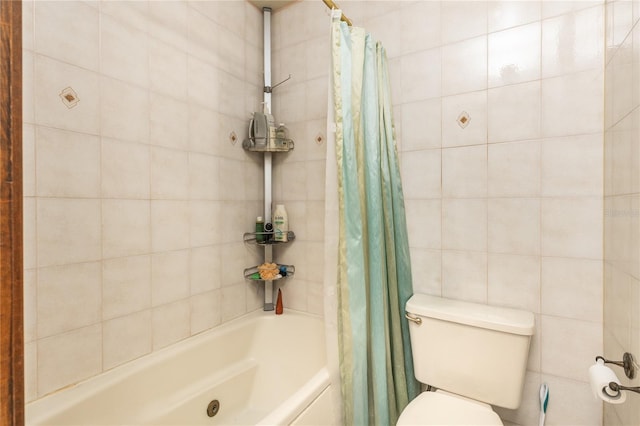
{"type": "Point", "coordinates": [249, 273]}
{"type": "Point", "coordinates": [251, 238]}
{"type": "Point", "coordinates": [280, 145]}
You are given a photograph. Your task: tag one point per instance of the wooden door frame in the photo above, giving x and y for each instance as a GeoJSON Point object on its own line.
{"type": "Point", "coordinates": [11, 273]}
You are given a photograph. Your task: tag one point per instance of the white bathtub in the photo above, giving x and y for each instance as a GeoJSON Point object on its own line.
{"type": "Point", "coordinates": [263, 368]}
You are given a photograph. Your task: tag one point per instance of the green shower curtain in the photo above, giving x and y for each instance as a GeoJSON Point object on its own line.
{"type": "Point", "coordinates": [374, 270]}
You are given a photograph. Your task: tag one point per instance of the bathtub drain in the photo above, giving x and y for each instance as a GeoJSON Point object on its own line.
{"type": "Point", "coordinates": [213, 408]}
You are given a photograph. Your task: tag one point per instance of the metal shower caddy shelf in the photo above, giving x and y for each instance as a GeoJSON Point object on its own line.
{"type": "Point", "coordinates": [252, 238]}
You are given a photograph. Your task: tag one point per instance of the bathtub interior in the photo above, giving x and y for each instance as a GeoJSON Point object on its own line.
{"type": "Point", "coordinates": [252, 366]}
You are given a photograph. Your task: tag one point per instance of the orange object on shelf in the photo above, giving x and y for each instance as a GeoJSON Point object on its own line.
{"type": "Point", "coordinates": [279, 303]}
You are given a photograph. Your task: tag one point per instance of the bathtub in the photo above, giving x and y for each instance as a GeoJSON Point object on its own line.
{"type": "Point", "coordinates": [264, 369]}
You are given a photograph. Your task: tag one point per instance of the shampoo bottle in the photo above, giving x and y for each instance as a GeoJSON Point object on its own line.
{"type": "Point", "coordinates": [280, 224]}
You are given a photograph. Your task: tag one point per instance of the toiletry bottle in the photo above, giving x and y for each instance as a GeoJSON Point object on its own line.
{"type": "Point", "coordinates": [282, 136]}
{"type": "Point", "coordinates": [280, 223]}
{"type": "Point", "coordinates": [259, 230]}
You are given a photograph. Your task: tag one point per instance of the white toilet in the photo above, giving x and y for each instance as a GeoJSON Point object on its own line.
{"type": "Point", "coordinates": [474, 354]}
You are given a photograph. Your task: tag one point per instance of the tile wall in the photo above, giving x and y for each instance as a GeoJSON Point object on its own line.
{"type": "Point", "coordinates": [622, 197]}
{"type": "Point", "coordinates": [507, 209]}
{"type": "Point", "coordinates": [135, 198]}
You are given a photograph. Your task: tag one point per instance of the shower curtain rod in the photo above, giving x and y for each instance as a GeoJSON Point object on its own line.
{"type": "Point", "coordinates": [331, 5]}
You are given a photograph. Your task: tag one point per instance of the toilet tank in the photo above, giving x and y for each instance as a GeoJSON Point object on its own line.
{"type": "Point", "coordinates": [474, 350]}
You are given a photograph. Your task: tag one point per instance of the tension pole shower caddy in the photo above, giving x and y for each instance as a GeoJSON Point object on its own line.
{"type": "Point", "coordinates": [263, 138]}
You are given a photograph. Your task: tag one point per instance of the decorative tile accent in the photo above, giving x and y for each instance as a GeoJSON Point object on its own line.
{"type": "Point", "coordinates": [463, 119]}
{"type": "Point", "coordinates": [319, 138]}
{"type": "Point", "coordinates": [233, 138]}
{"type": "Point", "coordinates": [69, 97]}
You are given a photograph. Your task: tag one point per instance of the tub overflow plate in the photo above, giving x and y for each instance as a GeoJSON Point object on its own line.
{"type": "Point", "coordinates": [213, 408]}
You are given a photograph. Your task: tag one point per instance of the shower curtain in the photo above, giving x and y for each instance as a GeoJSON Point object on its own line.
{"type": "Point", "coordinates": [366, 236]}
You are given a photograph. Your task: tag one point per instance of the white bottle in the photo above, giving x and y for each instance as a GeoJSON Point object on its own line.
{"type": "Point", "coordinates": [280, 223]}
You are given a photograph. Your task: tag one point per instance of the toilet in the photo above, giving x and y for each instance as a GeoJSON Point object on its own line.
{"type": "Point", "coordinates": [474, 355]}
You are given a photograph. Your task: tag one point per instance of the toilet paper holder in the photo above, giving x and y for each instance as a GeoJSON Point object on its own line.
{"type": "Point", "coordinates": [628, 363]}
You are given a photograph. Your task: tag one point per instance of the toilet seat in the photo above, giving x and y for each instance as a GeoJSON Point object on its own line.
{"type": "Point", "coordinates": [443, 408]}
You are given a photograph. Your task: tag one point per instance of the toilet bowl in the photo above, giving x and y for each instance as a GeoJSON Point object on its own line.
{"type": "Point", "coordinates": [474, 354]}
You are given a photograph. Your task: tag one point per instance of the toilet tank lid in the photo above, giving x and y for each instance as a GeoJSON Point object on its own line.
{"type": "Point", "coordinates": [507, 320]}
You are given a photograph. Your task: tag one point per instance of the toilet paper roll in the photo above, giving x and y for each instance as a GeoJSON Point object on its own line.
{"type": "Point", "coordinates": [600, 376]}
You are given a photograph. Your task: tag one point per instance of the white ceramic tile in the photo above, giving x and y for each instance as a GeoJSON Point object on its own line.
{"type": "Point", "coordinates": [205, 267]}
{"type": "Point", "coordinates": [233, 301]}
{"type": "Point", "coordinates": [568, 346]}
{"type": "Point", "coordinates": [514, 281]}
{"type": "Point", "coordinates": [464, 276]}
{"type": "Point", "coordinates": [572, 166]}
{"type": "Point", "coordinates": [421, 127]}
{"type": "Point", "coordinates": [28, 160]}
{"type": "Point", "coordinates": [30, 372]}
{"type": "Point", "coordinates": [575, 403]}
{"type": "Point", "coordinates": [28, 21]}
{"type": "Point", "coordinates": [126, 286]}
{"type": "Point", "coordinates": [168, 21]}
{"type": "Point", "coordinates": [474, 131]}
{"type": "Point", "coordinates": [67, 164]}
{"type": "Point", "coordinates": [203, 175]}
{"type": "Point", "coordinates": [204, 126]}
{"type": "Point", "coordinates": [421, 172]}
{"type": "Point", "coordinates": [126, 227]}
{"type": "Point", "coordinates": [126, 338]}
{"type": "Point", "coordinates": [572, 227]}
{"type": "Point", "coordinates": [464, 66]}
{"type": "Point", "coordinates": [29, 237]}
{"type": "Point", "coordinates": [555, 8]}
{"type": "Point", "coordinates": [514, 225]}
{"type": "Point", "coordinates": [236, 223]}
{"type": "Point", "coordinates": [514, 55]}
{"type": "Point", "coordinates": [421, 26]}
{"type": "Point", "coordinates": [514, 169]}
{"type": "Point", "coordinates": [420, 75]}
{"type": "Point", "coordinates": [514, 112]}
{"type": "Point", "coordinates": [68, 231]}
{"type": "Point", "coordinates": [384, 27]}
{"type": "Point", "coordinates": [464, 224]}
{"type": "Point", "coordinates": [463, 19]}
{"type": "Point", "coordinates": [68, 358]}
{"type": "Point", "coordinates": [169, 174]}
{"type": "Point", "coordinates": [169, 277]}
{"type": "Point", "coordinates": [69, 32]}
{"type": "Point", "coordinates": [169, 225]}
{"type": "Point", "coordinates": [51, 79]}
{"type": "Point", "coordinates": [573, 42]}
{"type": "Point", "coordinates": [28, 86]}
{"type": "Point", "coordinates": [231, 181]}
{"type": "Point", "coordinates": [426, 271]}
{"type": "Point", "coordinates": [125, 169]}
{"type": "Point", "coordinates": [170, 323]}
{"type": "Point", "coordinates": [231, 94]}
{"type": "Point", "coordinates": [124, 52]}
{"type": "Point", "coordinates": [133, 13]}
{"type": "Point", "coordinates": [572, 288]}
{"type": "Point", "coordinates": [30, 305]}
{"type": "Point", "coordinates": [508, 14]}
{"type": "Point", "coordinates": [202, 88]}
{"type": "Point", "coordinates": [169, 122]}
{"type": "Point", "coordinates": [203, 228]}
{"type": "Point", "coordinates": [124, 112]}
{"type": "Point", "coordinates": [572, 104]}
{"type": "Point", "coordinates": [424, 223]}
{"type": "Point", "coordinates": [205, 311]}
{"type": "Point", "coordinates": [464, 171]}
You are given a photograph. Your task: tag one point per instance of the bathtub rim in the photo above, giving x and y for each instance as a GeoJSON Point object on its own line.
{"type": "Point", "coordinates": [52, 404]}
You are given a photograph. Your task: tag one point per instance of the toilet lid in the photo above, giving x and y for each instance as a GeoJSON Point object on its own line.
{"type": "Point", "coordinates": [441, 408]}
